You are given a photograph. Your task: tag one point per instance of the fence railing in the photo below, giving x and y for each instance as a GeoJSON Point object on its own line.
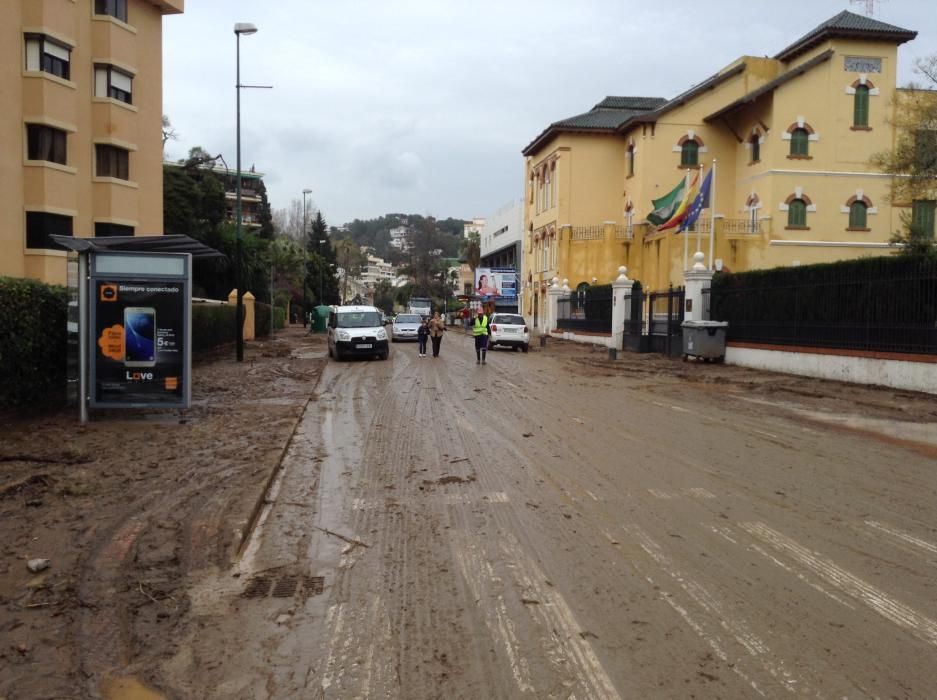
{"type": "Point", "coordinates": [585, 313]}
{"type": "Point", "coordinates": [881, 305]}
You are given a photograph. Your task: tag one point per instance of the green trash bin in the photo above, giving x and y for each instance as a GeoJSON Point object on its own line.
{"type": "Point", "coordinates": [320, 319]}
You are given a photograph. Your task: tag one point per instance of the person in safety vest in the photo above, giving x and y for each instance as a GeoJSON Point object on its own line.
{"type": "Point", "coordinates": [480, 331]}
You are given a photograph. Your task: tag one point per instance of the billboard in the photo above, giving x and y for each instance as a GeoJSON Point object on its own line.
{"type": "Point", "coordinates": [139, 341]}
{"type": "Point", "coordinates": [498, 284]}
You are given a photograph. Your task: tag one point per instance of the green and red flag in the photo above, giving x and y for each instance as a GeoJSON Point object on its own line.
{"type": "Point", "coordinates": [666, 206]}
{"type": "Point", "coordinates": [683, 208]}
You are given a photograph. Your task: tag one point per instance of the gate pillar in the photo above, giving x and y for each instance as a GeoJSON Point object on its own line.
{"type": "Point", "coordinates": [696, 280]}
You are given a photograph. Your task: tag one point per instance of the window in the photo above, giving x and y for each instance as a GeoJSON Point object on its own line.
{"type": "Point", "coordinates": [922, 215]}
{"type": "Point", "coordinates": [631, 160]}
{"type": "Point", "coordinates": [797, 213]}
{"type": "Point", "coordinates": [756, 148]}
{"type": "Point", "coordinates": [799, 141]}
{"type": "Point", "coordinates": [40, 225]}
{"type": "Point", "coordinates": [111, 82]}
{"type": "Point", "coordinates": [113, 8]}
{"type": "Point", "coordinates": [104, 230]}
{"type": "Point", "coordinates": [45, 143]}
{"type": "Point", "coordinates": [44, 54]}
{"type": "Point", "coordinates": [689, 153]}
{"type": "Point", "coordinates": [860, 110]}
{"type": "Point", "coordinates": [858, 215]}
{"type": "Point", "coordinates": [112, 161]}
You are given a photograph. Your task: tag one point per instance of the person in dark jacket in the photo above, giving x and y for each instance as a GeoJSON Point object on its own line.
{"type": "Point", "coordinates": [422, 334]}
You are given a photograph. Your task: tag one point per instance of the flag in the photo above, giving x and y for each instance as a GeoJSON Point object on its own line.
{"type": "Point", "coordinates": [682, 208]}
{"type": "Point", "coordinates": [667, 205]}
{"type": "Point", "coordinates": [701, 202]}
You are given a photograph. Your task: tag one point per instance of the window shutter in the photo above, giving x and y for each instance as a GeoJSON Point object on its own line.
{"type": "Point", "coordinates": [797, 213]}
{"type": "Point", "coordinates": [100, 81]}
{"type": "Point", "coordinates": [860, 115]}
{"type": "Point", "coordinates": [56, 50]}
{"type": "Point", "coordinates": [32, 55]}
{"type": "Point", "coordinates": [857, 215]}
{"type": "Point", "coordinates": [121, 81]}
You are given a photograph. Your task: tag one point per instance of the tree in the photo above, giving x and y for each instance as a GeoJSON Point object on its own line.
{"type": "Point", "coordinates": [913, 160]}
{"type": "Point", "coordinates": [169, 133]}
{"type": "Point", "coordinates": [350, 259]}
{"type": "Point", "coordinates": [471, 250]}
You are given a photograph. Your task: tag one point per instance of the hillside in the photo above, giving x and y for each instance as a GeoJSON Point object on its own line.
{"type": "Point", "coordinates": [376, 234]}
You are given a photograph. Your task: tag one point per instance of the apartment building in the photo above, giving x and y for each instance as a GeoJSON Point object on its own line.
{"type": "Point", "coordinates": [792, 136]}
{"type": "Point", "coordinates": [80, 127]}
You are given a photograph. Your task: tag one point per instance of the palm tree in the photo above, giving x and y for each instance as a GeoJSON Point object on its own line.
{"type": "Point", "coordinates": [472, 250]}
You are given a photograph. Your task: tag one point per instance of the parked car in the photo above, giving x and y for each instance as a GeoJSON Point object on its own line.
{"type": "Point", "coordinates": [405, 327]}
{"type": "Point", "coordinates": [509, 330]}
{"type": "Point", "coordinates": [356, 331]}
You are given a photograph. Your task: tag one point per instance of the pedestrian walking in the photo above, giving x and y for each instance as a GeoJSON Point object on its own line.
{"type": "Point", "coordinates": [436, 328]}
{"type": "Point", "coordinates": [422, 334]}
{"type": "Point", "coordinates": [480, 332]}
{"type": "Point", "coordinates": [466, 318]}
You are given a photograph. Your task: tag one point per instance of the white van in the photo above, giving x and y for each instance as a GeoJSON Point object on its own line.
{"type": "Point", "coordinates": [357, 331]}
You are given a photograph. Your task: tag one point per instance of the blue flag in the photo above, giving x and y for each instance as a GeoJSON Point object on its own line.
{"type": "Point", "coordinates": [699, 203]}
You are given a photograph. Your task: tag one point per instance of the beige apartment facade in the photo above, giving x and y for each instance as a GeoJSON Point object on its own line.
{"type": "Point", "coordinates": [80, 127]}
{"type": "Point", "coordinates": [792, 136]}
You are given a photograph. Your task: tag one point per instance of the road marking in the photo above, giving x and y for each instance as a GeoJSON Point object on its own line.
{"type": "Point", "coordinates": [700, 493]}
{"type": "Point", "coordinates": [770, 557]}
{"type": "Point", "coordinates": [902, 615]}
{"type": "Point", "coordinates": [690, 493]}
{"type": "Point", "coordinates": [720, 613]}
{"type": "Point", "coordinates": [903, 536]}
{"type": "Point", "coordinates": [678, 409]}
{"type": "Point", "coordinates": [762, 432]}
{"type": "Point", "coordinates": [724, 532]}
{"type": "Point", "coordinates": [660, 494]}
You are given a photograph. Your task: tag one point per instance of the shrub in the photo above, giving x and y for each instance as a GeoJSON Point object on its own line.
{"type": "Point", "coordinates": [261, 319]}
{"type": "Point", "coordinates": [279, 317]}
{"type": "Point", "coordinates": [33, 347]}
{"type": "Point", "coordinates": [598, 302]}
{"type": "Point", "coordinates": [212, 325]}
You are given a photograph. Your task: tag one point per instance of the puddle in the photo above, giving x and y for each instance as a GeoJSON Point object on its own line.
{"type": "Point", "coordinates": [128, 689]}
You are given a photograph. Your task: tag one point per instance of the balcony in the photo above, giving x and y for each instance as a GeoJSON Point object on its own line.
{"type": "Point", "coordinates": [602, 232]}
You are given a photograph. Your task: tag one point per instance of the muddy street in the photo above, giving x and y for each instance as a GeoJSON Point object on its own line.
{"type": "Point", "coordinates": [555, 526]}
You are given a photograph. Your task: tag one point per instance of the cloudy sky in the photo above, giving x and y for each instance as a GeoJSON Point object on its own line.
{"type": "Point", "coordinates": [423, 106]}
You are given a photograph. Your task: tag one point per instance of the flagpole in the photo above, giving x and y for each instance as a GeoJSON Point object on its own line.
{"type": "Point", "coordinates": [686, 251]}
{"type": "Point", "coordinates": [699, 234]}
{"type": "Point", "coordinates": [712, 213]}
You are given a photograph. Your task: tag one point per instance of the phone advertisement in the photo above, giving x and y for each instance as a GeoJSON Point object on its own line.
{"type": "Point", "coordinates": [139, 342]}
{"type": "Point", "coordinates": [494, 283]}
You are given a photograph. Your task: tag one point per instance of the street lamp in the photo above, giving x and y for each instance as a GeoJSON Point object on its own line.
{"type": "Point", "coordinates": [305, 257]}
{"type": "Point", "coordinates": [239, 28]}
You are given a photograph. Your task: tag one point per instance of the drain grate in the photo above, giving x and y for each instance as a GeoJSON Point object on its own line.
{"type": "Point", "coordinates": [314, 585]}
{"type": "Point", "coordinates": [284, 587]}
{"type": "Point", "coordinates": [259, 587]}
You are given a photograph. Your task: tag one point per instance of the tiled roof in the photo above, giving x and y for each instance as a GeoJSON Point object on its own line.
{"type": "Point", "coordinates": [773, 85]}
{"type": "Point", "coordinates": [606, 116]}
{"type": "Point", "coordinates": [846, 24]}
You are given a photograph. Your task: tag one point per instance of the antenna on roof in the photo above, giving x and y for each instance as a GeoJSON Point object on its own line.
{"type": "Point", "coordinates": [869, 6]}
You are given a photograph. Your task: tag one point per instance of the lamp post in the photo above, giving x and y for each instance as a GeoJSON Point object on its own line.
{"type": "Point", "coordinates": [305, 257]}
{"type": "Point", "coordinates": [239, 28]}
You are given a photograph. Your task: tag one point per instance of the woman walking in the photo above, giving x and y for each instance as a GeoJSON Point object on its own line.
{"type": "Point", "coordinates": [436, 328]}
{"type": "Point", "coordinates": [421, 334]}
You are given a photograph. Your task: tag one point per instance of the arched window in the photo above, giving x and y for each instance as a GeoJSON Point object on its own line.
{"type": "Point", "coordinates": [858, 214]}
{"type": "Point", "coordinates": [689, 153]}
{"type": "Point", "coordinates": [860, 109]}
{"type": "Point", "coordinates": [630, 160]}
{"type": "Point", "coordinates": [797, 213]}
{"type": "Point", "coordinates": [799, 141]}
{"type": "Point", "coordinates": [756, 148]}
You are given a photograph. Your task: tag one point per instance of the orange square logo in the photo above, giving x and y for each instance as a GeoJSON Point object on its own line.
{"type": "Point", "coordinates": [172, 383]}
{"type": "Point", "coordinates": [108, 292]}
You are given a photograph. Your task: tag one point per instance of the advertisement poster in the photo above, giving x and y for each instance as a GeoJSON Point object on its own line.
{"type": "Point", "coordinates": [495, 283]}
{"type": "Point", "coordinates": [139, 337]}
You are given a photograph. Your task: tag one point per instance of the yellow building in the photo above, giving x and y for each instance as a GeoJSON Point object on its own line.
{"type": "Point", "coordinates": [80, 127]}
{"type": "Point", "coordinates": [792, 136]}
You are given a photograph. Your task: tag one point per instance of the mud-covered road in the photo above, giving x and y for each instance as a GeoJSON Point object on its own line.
{"type": "Point", "coordinates": [550, 525]}
{"type": "Point", "coordinates": [555, 525]}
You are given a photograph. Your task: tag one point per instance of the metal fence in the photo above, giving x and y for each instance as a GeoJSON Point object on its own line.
{"type": "Point", "coordinates": [581, 312]}
{"type": "Point", "coordinates": [887, 306]}
{"type": "Point", "coordinates": [655, 321]}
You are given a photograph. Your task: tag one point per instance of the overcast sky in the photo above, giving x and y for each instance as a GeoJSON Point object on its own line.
{"type": "Point", "coordinates": [423, 106]}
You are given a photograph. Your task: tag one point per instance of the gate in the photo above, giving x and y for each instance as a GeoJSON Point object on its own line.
{"type": "Point", "coordinates": [655, 323]}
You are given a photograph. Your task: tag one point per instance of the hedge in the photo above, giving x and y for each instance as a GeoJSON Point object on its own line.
{"type": "Point", "coordinates": [32, 342]}
{"type": "Point", "coordinates": [212, 325]}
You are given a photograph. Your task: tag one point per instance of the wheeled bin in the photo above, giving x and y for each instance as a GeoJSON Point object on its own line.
{"type": "Point", "coordinates": [704, 339]}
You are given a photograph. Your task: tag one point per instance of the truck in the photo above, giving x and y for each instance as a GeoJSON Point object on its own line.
{"type": "Point", "coordinates": [420, 305]}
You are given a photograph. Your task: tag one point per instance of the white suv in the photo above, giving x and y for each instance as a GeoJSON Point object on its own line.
{"type": "Point", "coordinates": [509, 330]}
{"type": "Point", "coordinates": [356, 331]}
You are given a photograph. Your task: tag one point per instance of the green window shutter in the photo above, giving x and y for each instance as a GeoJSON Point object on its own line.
{"type": "Point", "coordinates": [799, 142]}
{"type": "Point", "coordinates": [923, 215]}
{"type": "Point", "coordinates": [630, 161]}
{"type": "Point", "coordinates": [860, 112]}
{"type": "Point", "coordinates": [689, 154]}
{"type": "Point", "coordinates": [756, 149]}
{"type": "Point", "coordinates": [858, 215]}
{"type": "Point", "coordinates": [797, 213]}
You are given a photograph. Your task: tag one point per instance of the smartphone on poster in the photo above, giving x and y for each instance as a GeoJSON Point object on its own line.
{"type": "Point", "coordinates": [139, 336]}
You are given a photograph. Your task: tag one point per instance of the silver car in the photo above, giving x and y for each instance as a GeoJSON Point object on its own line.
{"type": "Point", "coordinates": [405, 327]}
{"type": "Point", "coordinates": [509, 330]}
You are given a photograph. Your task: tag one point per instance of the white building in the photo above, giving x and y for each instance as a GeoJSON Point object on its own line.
{"type": "Point", "coordinates": [400, 237]}
{"type": "Point", "coordinates": [375, 270]}
{"type": "Point", "coordinates": [474, 226]}
{"type": "Point", "coordinates": [501, 239]}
